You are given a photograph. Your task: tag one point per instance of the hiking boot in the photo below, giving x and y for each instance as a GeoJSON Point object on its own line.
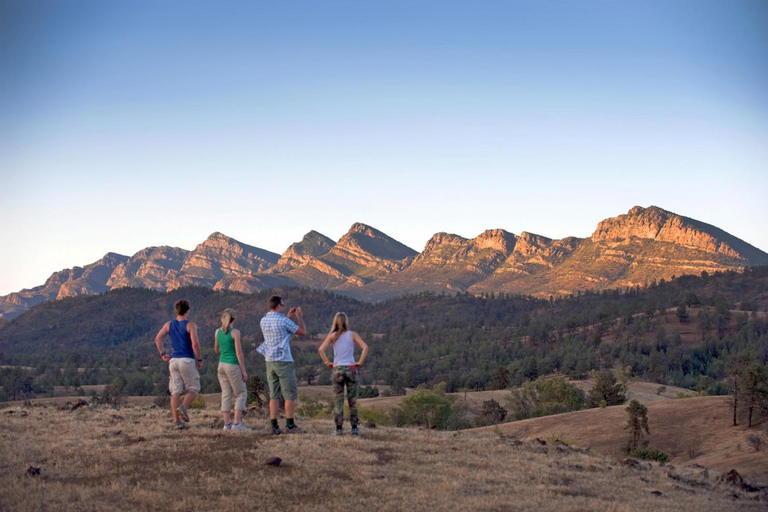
{"type": "Point", "coordinates": [276, 431]}
{"type": "Point", "coordinates": [228, 426]}
{"type": "Point", "coordinates": [294, 429]}
{"type": "Point", "coordinates": [240, 426]}
{"type": "Point", "coordinates": [180, 425]}
{"type": "Point", "coordinates": [183, 413]}
{"type": "Point", "coordinates": [355, 431]}
{"type": "Point", "coordinates": [338, 432]}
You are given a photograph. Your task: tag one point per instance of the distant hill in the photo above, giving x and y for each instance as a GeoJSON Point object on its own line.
{"type": "Point", "coordinates": [638, 248]}
{"type": "Point", "coordinates": [679, 427]}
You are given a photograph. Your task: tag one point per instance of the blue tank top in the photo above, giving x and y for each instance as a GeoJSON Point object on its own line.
{"type": "Point", "coordinates": [180, 340]}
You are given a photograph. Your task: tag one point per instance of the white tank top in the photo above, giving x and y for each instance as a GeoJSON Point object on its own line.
{"type": "Point", "coordinates": [344, 350]}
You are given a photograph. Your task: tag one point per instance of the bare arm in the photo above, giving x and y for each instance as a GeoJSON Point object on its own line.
{"type": "Point", "coordinates": [161, 334]}
{"type": "Point", "coordinates": [216, 342]}
{"type": "Point", "coordinates": [300, 318]}
{"type": "Point", "coordinates": [239, 352]}
{"type": "Point", "coordinates": [323, 347]}
{"type": "Point", "coordinates": [359, 342]}
{"type": "Point", "coordinates": [192, 330]}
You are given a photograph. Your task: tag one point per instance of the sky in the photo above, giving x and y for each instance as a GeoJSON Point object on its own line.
{"type": "Point", "coordinates": [125, 125]}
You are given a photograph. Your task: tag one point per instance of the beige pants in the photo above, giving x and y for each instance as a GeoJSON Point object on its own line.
{"type": "Point", "coordinates": [231, 381]}
{"type": "Point", "coordinates": [184, 374]}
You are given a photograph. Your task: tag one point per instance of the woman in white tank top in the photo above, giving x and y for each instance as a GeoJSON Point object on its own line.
{"type": "Point", "coordinates": [344, 369]}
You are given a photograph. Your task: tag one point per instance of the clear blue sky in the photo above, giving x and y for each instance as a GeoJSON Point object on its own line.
{"type": "Point", "coordinates": [130, 124]}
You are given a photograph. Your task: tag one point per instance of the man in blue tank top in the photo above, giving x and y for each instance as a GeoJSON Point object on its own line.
{"type": "Point", "coordinates": [185, 361]}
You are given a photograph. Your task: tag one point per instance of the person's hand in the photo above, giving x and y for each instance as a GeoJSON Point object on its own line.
{"type": "Point", "coordinates": [298, 312]}
{"type": "Point", "coordinates": [166, 357]}
{"type": "Point", "coordinates": [200, 365]}
{"type": "Point", "coordinates": [329, 365]}
{"type": "Point", "coordinates": [245, 376]}
{"type": "Point", "coordinates": [358, 364]}
{"type": "Point", "coordinates": [292, 312]}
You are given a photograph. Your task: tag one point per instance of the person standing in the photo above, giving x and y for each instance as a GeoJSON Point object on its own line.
{"type": "Point", "coordinates": [231, 371]}
{"type": "Point", "coordinates": [185, 361]}
{"type": "Point", "coordinates": [345, 369]}
{"type": "Point", "coordinates": [281, 372]}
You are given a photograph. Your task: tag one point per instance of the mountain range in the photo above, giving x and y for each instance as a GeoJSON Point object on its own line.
{"type": "Point", "coordinates": [636, 248]}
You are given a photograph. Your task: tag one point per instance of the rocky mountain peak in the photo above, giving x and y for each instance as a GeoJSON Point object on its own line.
{"type": "Point", "coordinates": [312, 245]}
{"type": "Point", "coordinates": [497, 239]}
{"type": "Point", "coordinates": [663, 226]}
{"type": "Point", "coordinates": [362, 238]}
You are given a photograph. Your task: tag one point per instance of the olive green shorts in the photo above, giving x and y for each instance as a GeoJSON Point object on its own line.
{"type": "Point", "coordinates": [281, 376]}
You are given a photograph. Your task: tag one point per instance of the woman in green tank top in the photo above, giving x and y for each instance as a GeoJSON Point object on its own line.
{"type": "Point", "coordinates": [231, 372]}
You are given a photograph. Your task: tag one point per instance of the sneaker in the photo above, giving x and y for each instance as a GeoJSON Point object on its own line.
{"type": "Point", "coordinates": [294, 429]}
{"type": "Point", "coordinates": [355, 431]}
{"type": "Point", "coordinates": [183, 413]}
{"type": "Point", "coordinates": [240, 426]}
{"type": "Point", "coordinates": [338, 432]}
{"type": "Point", "coordinates": [180, 425]}
{"type": "Point", "coordinates": [228, 426]}
{"type": "Point", "coordinates": [276, 431]}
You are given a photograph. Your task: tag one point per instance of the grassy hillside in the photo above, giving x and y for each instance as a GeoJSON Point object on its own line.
{"type": "Point", "coordinates": [131, 458]}
{"type": "Point", "coordinates": [692, 430]}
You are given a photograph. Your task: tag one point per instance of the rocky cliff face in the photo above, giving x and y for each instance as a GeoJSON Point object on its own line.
{"type": "Point", "coordinates": [643, 245]}
{"type": "Point", "coordinates": [662, 226]}
{"type": "Point", "coordinates": [221, 256]}
{"type": "Point", "coordinates": [300, 253]}
{"type": "Point", "coordinates": [153, 268]}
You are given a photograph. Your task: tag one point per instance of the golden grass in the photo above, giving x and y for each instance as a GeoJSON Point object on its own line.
{"type": "Point", "coordinates": [133, 459]}
{"type": "Point", "coordinates": [674, 424]}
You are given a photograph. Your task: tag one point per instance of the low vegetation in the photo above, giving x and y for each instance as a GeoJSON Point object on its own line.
{"type": "Point", "coordinates": [90, 459]}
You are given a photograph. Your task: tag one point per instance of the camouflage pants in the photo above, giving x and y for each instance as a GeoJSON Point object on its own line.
{"type": "Point", "coordinates": [344, 376]}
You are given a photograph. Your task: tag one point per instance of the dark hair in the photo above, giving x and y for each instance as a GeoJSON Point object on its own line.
{"type": "Point", "coordinates": [275, 301]}
{"type": "Point", "coordinates": [181, 306]}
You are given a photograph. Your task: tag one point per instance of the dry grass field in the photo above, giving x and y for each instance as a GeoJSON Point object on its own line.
{"type": "Point", "coordinates": [699, 426]}
{"type": "Point", "coordinates": [133, 459]}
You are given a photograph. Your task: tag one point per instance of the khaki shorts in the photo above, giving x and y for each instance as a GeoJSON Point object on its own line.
{"type": "Point", "coordinates": [281, 376]}
{"type": "Point", "coordinates": [184, 375]}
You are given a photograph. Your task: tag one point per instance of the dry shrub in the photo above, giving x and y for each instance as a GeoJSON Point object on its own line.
{"type": "Point", "coordinates": [756, 441]}
{"type": "Point", "coordinates": [693, 446]}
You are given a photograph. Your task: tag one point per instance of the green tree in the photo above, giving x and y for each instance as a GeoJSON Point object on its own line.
{"type": "Point", "coordinates": [431, 409]}
{"type": "Point", "coordinates": [636, 424]}
{"type": "Point", "coordinates": [682, 313]}
{"type": "Point", "coordinates": [493, 413]}
{"type": "Point", "coordinates": [544, 397]}
{"type": "Point", "coordinates": [605, 388]}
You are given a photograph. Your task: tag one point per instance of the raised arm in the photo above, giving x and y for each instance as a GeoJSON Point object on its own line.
{"type": "Point", "coordinates": [300, 318]}
{"type": "Point", "coordinates": [161, 334]}
{"type": "Point", "coordinates": [364, 346]}
{"type": "Point", "coordinates": [239, 352]}
{"type": "Point", "coordinates": [192, 330]}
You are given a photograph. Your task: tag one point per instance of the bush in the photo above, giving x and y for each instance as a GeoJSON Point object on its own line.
{"type": "Point", "coordinates": [369, 392]}
{"type": "Point", "coordinates": [198, 402]}
{"type": "Point", "coordinates": [110, 396]}
{"type": "Point", "coordinates": [756, 441]}
{"type": "Point", "coordinates": [693, 446]}
{"type": "Point", "coordinates": [431, 409]}
{"type": "Point", "coordinates": [648, 454]}
{"type": "Point", "coordinates": [315, 407]}
{"type": "Point", "coordinates": [374, 415]}
{"type": "Point", "coordinates": [492, 414]}
{"type": "Point", "coordinates": [543, 397]}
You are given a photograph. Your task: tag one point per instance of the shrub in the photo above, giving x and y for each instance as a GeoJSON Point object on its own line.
{"type": "Point", "coordinates": [555, 439]}
{"type": "Point", "coordinates": [636, 424]}
{"type": "Point", "coordinates": [431, 409]}
{"type": "Point", "coordinates": [315, 407]}
{"type": "Point", "coordinates": [256, 391]}
{"type": "Point", "coordinates": [648, 454]}
{"type": "Point", "coordinates": [110, 396]}
{"type": "Point", "coordinates": [369, 392]}
{"type": "Point", "coordinates": [693, 446]}
{"type": "Point", "coordinates": [661, 389]}
{"type": "Point", "coordinates": [162, 401]}
{"type": "Point", "coordinates": [543, 397]}
{"type": "Point", "coordinates": [198, 402]}
{"type": "Point", "coordinates": [756, 441]}
{"type": "Point", "coordinates": [374, 415]}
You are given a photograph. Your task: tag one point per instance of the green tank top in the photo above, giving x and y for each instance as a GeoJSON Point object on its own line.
{"type": "Point", "coordinates": [226, 347]}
